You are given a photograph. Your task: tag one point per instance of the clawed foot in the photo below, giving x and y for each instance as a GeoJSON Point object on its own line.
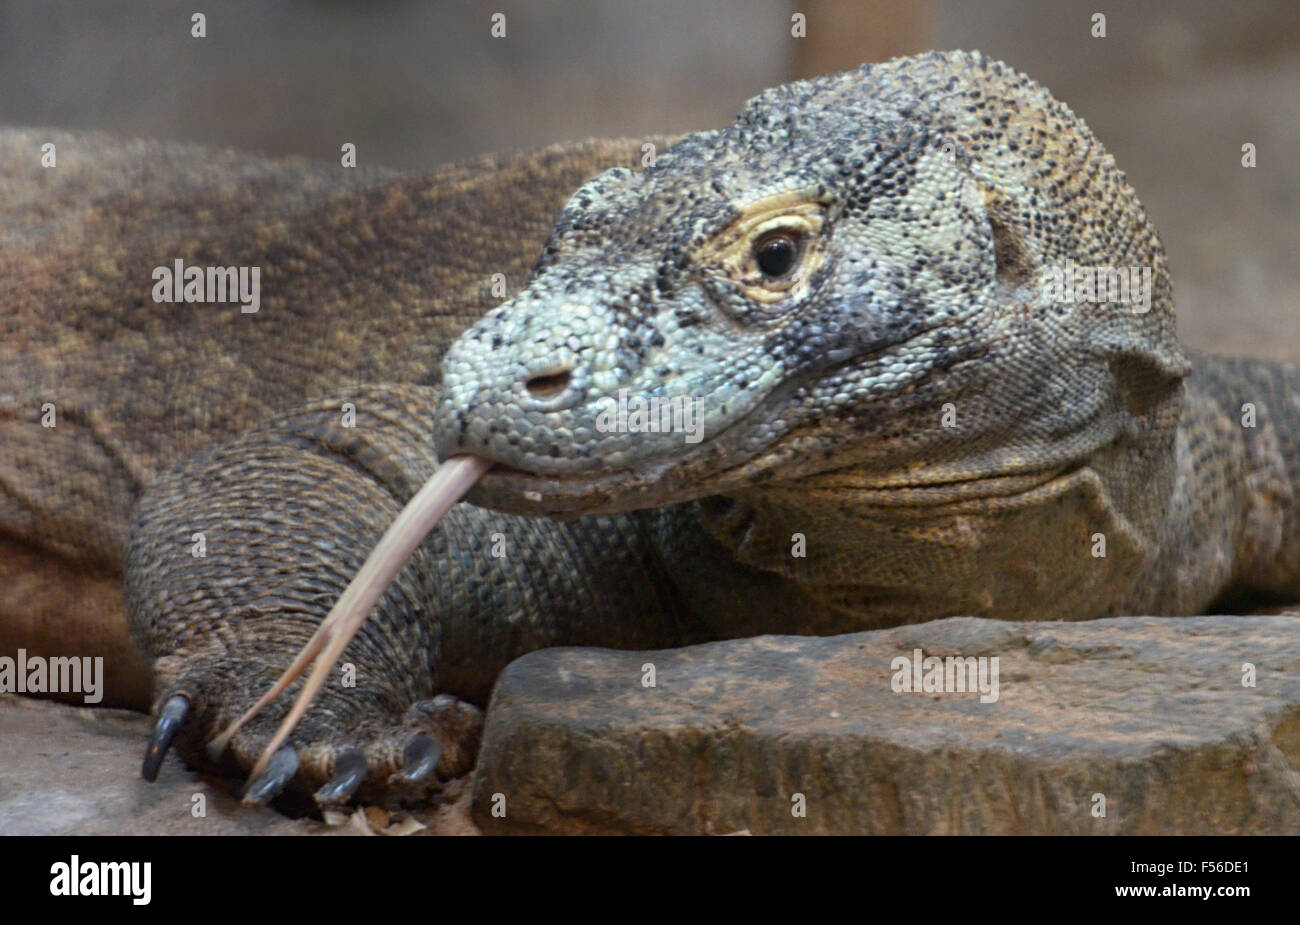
{"type": "Point", "coordinates": [342, 749]}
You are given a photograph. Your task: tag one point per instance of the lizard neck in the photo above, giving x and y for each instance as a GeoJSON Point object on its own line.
{"type": "Point", "coordinates": [882, 562]}
{"type": "Point", "coordinates": [812, 539]}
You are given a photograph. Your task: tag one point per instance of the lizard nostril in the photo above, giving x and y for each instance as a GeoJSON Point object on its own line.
{"type": "Point", "coordinates": [543, 387]}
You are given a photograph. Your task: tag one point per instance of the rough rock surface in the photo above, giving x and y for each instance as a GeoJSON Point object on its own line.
{"type": "Point", "coordinates": [1150, 714]}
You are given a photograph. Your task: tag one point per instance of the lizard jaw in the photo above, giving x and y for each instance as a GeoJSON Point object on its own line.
{"type": "Point", "coordinates": [514, 491]}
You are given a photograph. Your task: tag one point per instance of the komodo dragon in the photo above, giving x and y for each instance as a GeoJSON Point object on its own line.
{"type": "Point", "coordinates": [849, 281]}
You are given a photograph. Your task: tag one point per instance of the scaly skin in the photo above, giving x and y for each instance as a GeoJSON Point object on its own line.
{"type": "Point", "coordinates": [946, 438]}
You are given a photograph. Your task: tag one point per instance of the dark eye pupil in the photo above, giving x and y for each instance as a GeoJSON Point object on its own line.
{"type": "Point", "coordinates": [776, 256]}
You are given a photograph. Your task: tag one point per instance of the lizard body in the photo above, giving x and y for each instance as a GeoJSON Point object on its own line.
{"type": "Point", "coordinates": [849, 280]}
{"type": "Point", "coordinates": [137, 386]}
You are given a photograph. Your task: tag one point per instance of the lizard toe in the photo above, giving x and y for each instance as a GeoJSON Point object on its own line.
{"type": "Point", "coordinates": [434, 741]}
{"type": "Point", "coordinates": [420, 759]}
{"type": "Point", "coordinates": [170, 719]}
{"type": "Point", "coordinates": [350, 771]}
{"type": "Point", "coordinates": [448, 732]}
{"type": "Point", "coordinates": [281, 770]}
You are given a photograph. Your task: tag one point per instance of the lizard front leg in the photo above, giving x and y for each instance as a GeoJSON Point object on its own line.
{"type": "Point", "coordinates": [1232, 538]}
{"type": "Point", "coordinates": [237, 555]}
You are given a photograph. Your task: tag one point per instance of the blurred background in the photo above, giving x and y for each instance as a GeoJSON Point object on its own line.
{"type": "Point", "coordinates": [1174, 90]}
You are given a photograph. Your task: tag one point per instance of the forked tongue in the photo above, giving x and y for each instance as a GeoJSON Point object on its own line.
{"type": "Point", "coordinates": [447, 486]}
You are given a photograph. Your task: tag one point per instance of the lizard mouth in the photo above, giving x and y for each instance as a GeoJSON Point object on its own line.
{"type": "Point", "coordinates": [512, 490]}
{"type": "Point", "coordinates": [917, 490]}
{"type": "Point", "coordinates": [515, 491]}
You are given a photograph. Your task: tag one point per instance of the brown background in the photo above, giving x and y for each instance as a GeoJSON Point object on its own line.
{"type": "Point", "coordinates": [1174, 90]}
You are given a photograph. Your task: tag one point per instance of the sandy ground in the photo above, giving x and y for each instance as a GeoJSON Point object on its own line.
{"type": "Point", "coordinates": [76, 771]}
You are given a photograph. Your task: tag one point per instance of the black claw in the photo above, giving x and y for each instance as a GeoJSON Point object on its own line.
{"type": "Point", "coordinates": [164, 731]}
{"type": "Point", "coordinates": [422, 755]}
{"type": "Point", "coordinates": [350, 769]}
{"type": "Point", "coordinates": [281, 769]}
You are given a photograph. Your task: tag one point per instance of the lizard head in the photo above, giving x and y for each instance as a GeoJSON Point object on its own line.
{"type": "Point", "coordinates": [847, 289]}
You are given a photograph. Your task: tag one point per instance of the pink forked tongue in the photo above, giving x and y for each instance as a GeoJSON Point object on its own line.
{"type": "Point", "coordinates": [447, 486]}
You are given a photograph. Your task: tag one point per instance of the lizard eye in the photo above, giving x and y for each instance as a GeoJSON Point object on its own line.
{"type": "Point", "coordinates": [776, 253]}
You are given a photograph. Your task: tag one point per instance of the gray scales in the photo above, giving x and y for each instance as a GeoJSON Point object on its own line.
{"type": "Point", "coordinates": [849, 279]}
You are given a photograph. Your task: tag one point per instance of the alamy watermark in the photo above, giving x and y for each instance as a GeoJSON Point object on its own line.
{"type": "Point", "coordinates": [59, 675]}
{"type": "Point", "coordinates": [76, 877]}
{"type": "Point", "coordinates": [638, 415]}
{"type": "Point", "coordinates": [180, 283]}
{"type": "Point", "coordinates": [953, 674]}
{"type": "Point", "coordinates": [1080, 284]}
